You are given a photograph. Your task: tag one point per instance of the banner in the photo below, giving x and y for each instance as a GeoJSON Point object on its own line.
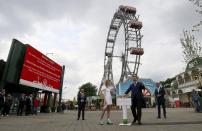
{"type": "Point", "coordinates": [40, 72]}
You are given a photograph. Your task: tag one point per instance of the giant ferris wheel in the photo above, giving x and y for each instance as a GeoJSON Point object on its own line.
{"type": "Point", "coordinates": [124, 17]}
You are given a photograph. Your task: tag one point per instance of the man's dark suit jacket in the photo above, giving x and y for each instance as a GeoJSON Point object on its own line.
{"type": "Point", "coordinates": [136, 91]}
{"type": "Point", "coordinates": [160, 95]}
{"type": "Point", "coordinates": [81, 100]}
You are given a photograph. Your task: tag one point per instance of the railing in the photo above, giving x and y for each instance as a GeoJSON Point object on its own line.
{"type": "Point", "coordinates": [190, 83]}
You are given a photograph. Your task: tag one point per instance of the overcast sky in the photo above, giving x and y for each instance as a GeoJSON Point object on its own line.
{"type": "Point", "coordinates": [75, 32]}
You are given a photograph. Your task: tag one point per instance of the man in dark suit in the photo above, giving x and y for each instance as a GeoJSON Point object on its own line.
{"type": "Point", "coordinates": [159, 94]}
{"type": "Point", "coordinates": [81, 98]}
{"type": "Point", "coordinates": [136, 98]}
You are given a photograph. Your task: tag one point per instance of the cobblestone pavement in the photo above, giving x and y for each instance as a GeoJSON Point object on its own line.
{"type": "Point", "coordinates": [183, 119]}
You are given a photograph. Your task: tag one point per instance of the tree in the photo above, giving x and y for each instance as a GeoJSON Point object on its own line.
{"type": "Point", "coordinates": [167, 82]}
{"type": "Point", "coordinates": [74, 101]}
{"type": "Point", "coordinates": [198, 4]}
{"type": "Point", "coordinates": [191, 48]}
{"type": "Point", "coordinates": [89, 89]}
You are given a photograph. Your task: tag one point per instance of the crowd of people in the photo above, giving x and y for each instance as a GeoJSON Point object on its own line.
{"type": "Point", "coordinates": [25, 104]}
{"type": "Point", "coordinates": [137, 100]}
{"type": "Point", "coordinates": [5, 103]}
{"type": "Point", "coordinates": [29, 105]}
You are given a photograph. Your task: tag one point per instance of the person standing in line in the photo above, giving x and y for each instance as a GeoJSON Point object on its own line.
{"type": "Point", "coordinates": [107, 90]}
{"type": "Point", "coordinates": [28, 103]}
{"type": "Point", "coordinates": [137, 98]}
{"type": "Point", "coordinates": [196, 100]}
{"type": "Point", "coordinates": [2, 99]}
{"type": "Point", "coordinates": [32, 104]}
{"type": "Point", "coordinates": [160, 99]}
{"type": "Point", "coordinates": [81, 98]}
{"type": "Point", "coordinates": [7, 105]}
{"type": "Point", "coordinates": [21, 105]}
{"type": "Point", "coordinates": [63, 107]}
{"type": "Point", "coordinates": [36, 105]}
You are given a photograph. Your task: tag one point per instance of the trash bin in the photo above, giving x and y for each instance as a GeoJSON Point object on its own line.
{"type": "Point", "coordinates": [177, 102]}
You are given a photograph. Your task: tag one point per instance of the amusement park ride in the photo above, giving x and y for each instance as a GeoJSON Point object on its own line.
{"type": "Point", "coordinates": [126, 17]}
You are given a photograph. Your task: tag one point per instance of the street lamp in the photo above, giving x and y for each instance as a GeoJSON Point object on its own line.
{"type": "Point", "coordinates": [49, 54]}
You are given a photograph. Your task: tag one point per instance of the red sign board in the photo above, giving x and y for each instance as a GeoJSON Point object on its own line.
{"type": "Point", "coordinates": [40, 72]}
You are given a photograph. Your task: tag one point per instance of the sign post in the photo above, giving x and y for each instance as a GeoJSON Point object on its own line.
{"type": "Point", "coordinates": [124, 102]}
{"type": "Point", "coordinates": [61, 84]}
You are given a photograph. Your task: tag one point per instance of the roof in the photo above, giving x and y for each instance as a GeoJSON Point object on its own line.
{"type": "Point", "coordinates": [149, 84]}
{"type": "Point", "coordinates": [196, 62]}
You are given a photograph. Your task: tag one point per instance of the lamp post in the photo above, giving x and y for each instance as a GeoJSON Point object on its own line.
{"type": "Point", "coordinates": [48, 95]}
{"type": "Point", "coordinates": [49, 53]}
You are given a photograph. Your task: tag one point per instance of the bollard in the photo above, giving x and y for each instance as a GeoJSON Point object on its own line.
{"type": "Point", "coordinates": [124, 102]}
{"type": "Point", "coordinates": [125, 117]}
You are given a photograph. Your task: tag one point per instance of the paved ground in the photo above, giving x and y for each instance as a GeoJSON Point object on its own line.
{"type": "Point", "coordinates": [178, 120]}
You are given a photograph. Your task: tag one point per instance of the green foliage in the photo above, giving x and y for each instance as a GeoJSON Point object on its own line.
{"type": "Point", "coordinates": [89, 89]}
{"type": "Point", "coordinates": [191, 48]}
{"type": "Point", "coordinates": [74, 101]}
{"type": "Point", "coordinates": [167, 82]}
{"type": "Point", "coordinates": [198, 4]}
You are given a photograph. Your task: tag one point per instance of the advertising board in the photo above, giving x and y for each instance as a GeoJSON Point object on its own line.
{"type": "Point", "coordinates": [40, 72]}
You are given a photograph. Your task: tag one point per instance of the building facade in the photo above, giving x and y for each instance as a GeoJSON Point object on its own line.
{"type": "Point", "coordinates": [188, 81]}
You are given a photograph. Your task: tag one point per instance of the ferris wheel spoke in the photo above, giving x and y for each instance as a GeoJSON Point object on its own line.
{"type": "Point", "coordinates": [126, 17]}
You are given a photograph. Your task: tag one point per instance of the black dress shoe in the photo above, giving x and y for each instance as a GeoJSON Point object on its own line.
{"type": "Point", "coordinates": [139, 123]}
{"type": "Point", "coordinates": [158, 117]}
{"type": "Point", "coordinates": [134, 121]}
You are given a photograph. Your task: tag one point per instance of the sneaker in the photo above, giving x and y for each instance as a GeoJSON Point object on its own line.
{"type": "Point", "coordinates": [101, 122]}
{"type": "Point", "coordinates": [109, 122]}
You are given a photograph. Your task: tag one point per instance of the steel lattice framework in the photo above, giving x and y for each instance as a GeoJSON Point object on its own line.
{"type": "Point", "coordinates": [126, 17]}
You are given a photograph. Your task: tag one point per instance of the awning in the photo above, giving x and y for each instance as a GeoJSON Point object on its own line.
{"type": "Point", "coordinates": [188, 89]}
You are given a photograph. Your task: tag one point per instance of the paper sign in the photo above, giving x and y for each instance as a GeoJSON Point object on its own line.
{"type": "Point", "coordinates": [123, 101]}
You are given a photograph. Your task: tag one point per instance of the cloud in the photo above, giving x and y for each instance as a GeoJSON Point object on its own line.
{"type": "Point", "coordinates": [75, 32]}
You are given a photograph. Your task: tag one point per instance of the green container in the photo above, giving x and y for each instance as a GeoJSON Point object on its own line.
{"type": "Point", "coordinates": [125, 121]}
